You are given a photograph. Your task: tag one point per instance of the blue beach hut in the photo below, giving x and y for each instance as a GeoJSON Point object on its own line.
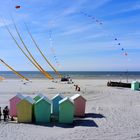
{"type": "Point", "coordinates": [55, 104]}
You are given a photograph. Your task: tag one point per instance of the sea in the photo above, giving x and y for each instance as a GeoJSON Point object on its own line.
{"type": "Point", "coordinates": [76, 74]}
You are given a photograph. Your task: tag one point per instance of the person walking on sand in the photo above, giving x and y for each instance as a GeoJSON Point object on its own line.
{"type": "Point", "coordinates": [0, 114]}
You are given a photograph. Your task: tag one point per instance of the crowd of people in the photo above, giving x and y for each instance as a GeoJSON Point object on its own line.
{"type": "Point", "coordinates": [4, 113]}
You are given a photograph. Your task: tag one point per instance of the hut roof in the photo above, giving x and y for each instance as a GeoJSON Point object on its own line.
{"type": "Point", "coordinates": [19, 95]}
{"type": "Point", "coordinates": [57, 95]}
{"type": "Point", "coordinates": [40, 95]}
{"type": "Point", "coordinates": [76, 96]}
{"type": "Point", "coordinates": [65, 99]}
{"type": "Point", "coordinates": [135, 82]}
{"type": "Point", "coordinates": [29, 99]}
{"type": "Point", "coordinates": [44, 98]}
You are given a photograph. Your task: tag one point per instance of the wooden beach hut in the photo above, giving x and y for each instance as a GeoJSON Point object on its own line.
{"type": "Point", "coordinates": [39, 96]}
{"type": "Point", "coordinates": [79, 105]}
{"type": "Point", "coordinates": [55, 104]}
{"type": "Point", "coordinates": [13, 103]}
{"type": "Point", "coordinates": [135, 85]}
{"type": "Point", "coordinates": [42, 110]}
{"type": "Point", "coordinates": [25, 110]}
{"type": "Point", "coordinates": [66, 111]}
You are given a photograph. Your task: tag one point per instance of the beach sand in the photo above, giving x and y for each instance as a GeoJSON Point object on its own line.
{"type": "Point", "coordinates": [112, 113]}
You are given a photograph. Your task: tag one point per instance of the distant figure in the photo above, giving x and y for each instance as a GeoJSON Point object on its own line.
{"type": "Point", "coordinates": [76, 87]}
{"type": "Point", "coordinates": [6, 113]}
{"type": "Point", "coordinates": [0, 114]}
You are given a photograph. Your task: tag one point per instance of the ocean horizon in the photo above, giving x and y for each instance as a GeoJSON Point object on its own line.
{"type": "Point", "coordinates": [76, 74]}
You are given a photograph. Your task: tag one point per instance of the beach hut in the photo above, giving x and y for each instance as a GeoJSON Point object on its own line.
{"type": "Point", "coordinates": [79, 105]}
{"type": "Point", "coordinates": [25, 110]}
{"type": "Point", "coordinates": [135, 85]}
{"type": "Point", "coordinates": [39, 96]}
{"type": "Point", "coordinates": [66, 111]}
{"type": "Point", "coordinates": [42, 110]}
{"type": "Point", "coordinates": [13, 102]}
{"type": "Point", "coordinates": [55, 104]}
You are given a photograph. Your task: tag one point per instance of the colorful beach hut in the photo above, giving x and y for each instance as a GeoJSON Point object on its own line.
{"type": "Point", "coordinates": [55, 104]}
{"type": "Point", "coordinates": [25, 110]}
{"type": "Point", "coordinates": [79, 105]}
{"type": "Point", "coordinates": [135, 85]}
{"type": "Point", "coordinates": [39, 96]}
{"type": "Point", "coordinates": [42, 110]}
{"type": "Point", "coordinates": [66, 111]}
{"type": "Point", "coordinates": [13, 103]}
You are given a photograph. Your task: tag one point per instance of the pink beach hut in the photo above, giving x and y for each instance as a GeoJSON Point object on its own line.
{"type": "Point", "coordinates": [13, 102]}
{"type": "Point", "coordinates": [79, 105]}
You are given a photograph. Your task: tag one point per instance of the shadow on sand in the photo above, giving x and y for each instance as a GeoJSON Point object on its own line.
{"type": "Point", "coordinates": [86, 121]}
{"type": "Point", "coordinates": [94, 115]}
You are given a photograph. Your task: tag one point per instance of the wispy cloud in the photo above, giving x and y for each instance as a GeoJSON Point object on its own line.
{"type": "Point", "coordinates": [4, 22]}
{"type": "Point", "coordinates": [129, 9]}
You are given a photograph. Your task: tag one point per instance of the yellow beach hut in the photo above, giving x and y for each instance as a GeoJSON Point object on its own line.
{"type": "Point", "coordinates": [25, 110]}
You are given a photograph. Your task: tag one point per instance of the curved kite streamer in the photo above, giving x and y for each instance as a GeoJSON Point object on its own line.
{"type": "Point", "coordinates": [17, 73]}
{"type": "Point", "coordinates": [43, 71]}
{"type": "Point", "coordinates": [52, 48]}
{"type": "Point", "coordinates": [23, 50]}
{"type": "Point", "coordinates": [60, 76]}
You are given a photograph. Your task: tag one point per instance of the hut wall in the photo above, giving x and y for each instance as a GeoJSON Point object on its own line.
{"type": "Point", "coordinates": [42, 111]}
{"type": "Point", "coordinates": [24, 111]}
{"type": "Point", "coordinates": [66, 112]}
{"type": "Point", "coordinates": [13, 109]}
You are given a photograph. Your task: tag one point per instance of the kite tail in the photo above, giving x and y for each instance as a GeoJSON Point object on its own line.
{"type": "Point", "coordinates": [44, 72]}
{"type": "Point", "coordinates": [17, 73]}
{"type": "Point", "coordinates": [23, 50]}
{"type": "Point", "coordinates": [60, 76]}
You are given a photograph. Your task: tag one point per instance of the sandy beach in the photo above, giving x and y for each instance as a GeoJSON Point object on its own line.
{"type": "Point", "coordinates": [111, 113]}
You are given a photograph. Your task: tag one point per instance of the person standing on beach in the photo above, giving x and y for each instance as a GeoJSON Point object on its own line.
{"type": "Point", "coordinates": [6, 113]}
{"type": "Point", "coordinates": [0, 114]}
{"type": "Point", "coordinates": [76, 87]}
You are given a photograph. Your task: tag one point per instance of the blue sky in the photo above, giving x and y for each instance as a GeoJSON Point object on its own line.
{"type": "Point", "coordinates": [78, 41]}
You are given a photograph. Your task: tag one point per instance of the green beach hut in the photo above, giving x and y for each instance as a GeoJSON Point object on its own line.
{"type": "Point", "coordinates": [55, 104]}
{"type": "Point", "coordinates": [135, 85]}
{"type": "Point", "coordinates": [25, 110]}
{"type": "Point", "coordinates": [42, 110]}
{"type": "Point", "coordinates": [39, 96]}
{"type": "Point", "coordinates": [66, 111]}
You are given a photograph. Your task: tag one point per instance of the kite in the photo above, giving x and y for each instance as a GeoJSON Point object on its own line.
{"type": "Point", "coordinates": [125, 54]}
{"type": "Point", "coordinates": [18, 7]}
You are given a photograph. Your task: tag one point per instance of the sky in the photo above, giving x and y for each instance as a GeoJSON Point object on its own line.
{"type": "Point", "coordinates": [78, 43]}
